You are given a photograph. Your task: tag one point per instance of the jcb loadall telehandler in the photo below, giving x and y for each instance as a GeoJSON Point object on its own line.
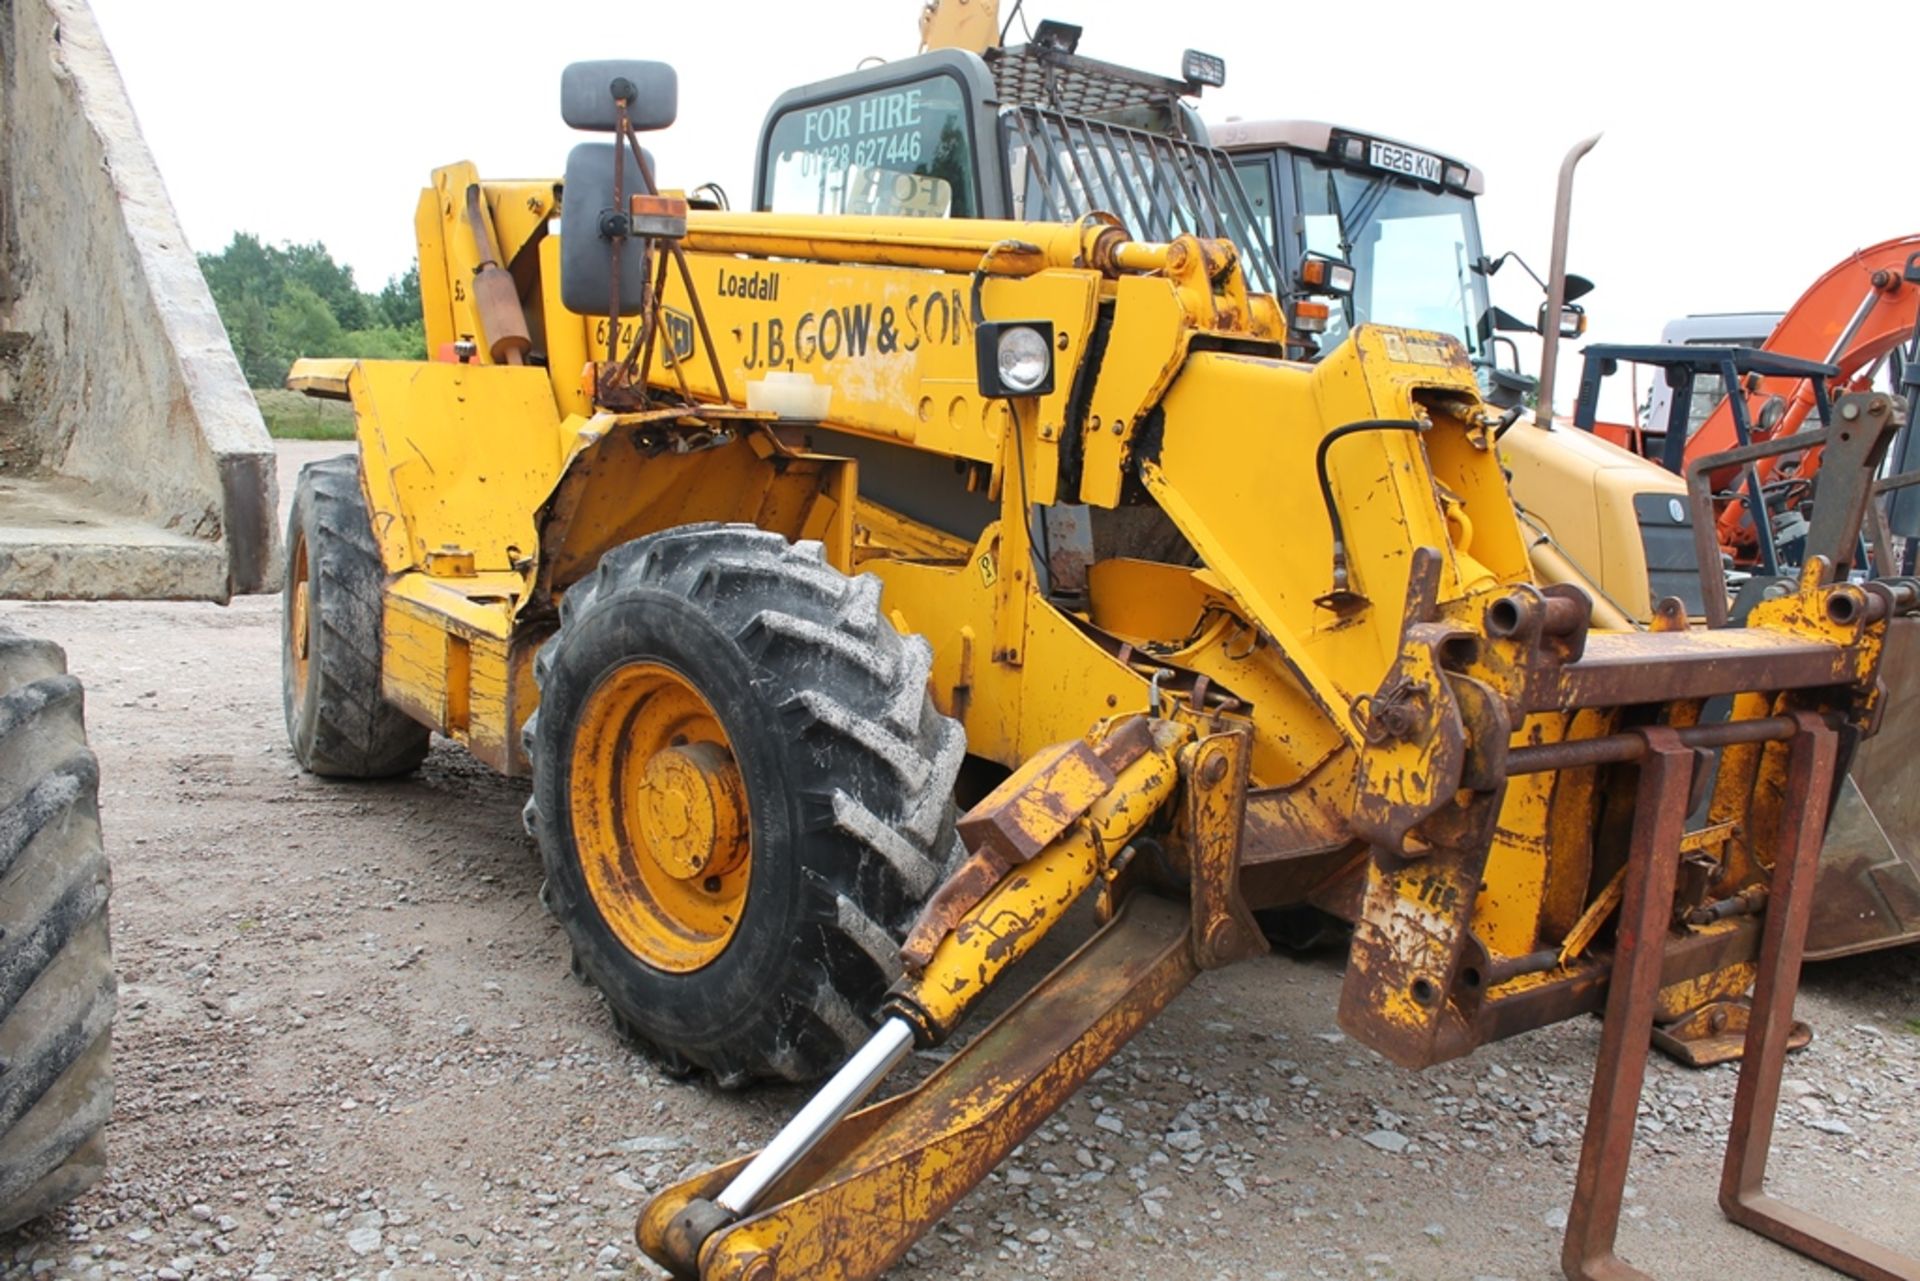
{"type": "Point", "coordinates": [791, 525]}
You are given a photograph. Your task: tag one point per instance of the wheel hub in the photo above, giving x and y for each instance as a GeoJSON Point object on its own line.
{"type": "Point", "coordinates": [299, 621]}
{"type": "Point", "coordinates": [660, 821]}
{"type": "Point", "coordinates": [691, 811]}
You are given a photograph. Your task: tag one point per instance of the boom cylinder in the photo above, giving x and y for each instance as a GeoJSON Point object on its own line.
{"type": "Point", "coordinates": [941, 244]}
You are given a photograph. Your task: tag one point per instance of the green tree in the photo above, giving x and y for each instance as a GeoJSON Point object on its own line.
{"type": "Point", "coordinates": [399, 302]}
{"type": "Point", "coordinates": [304, 325]}
{"type": "Point", "coordinates": [384, 342]}
{"type": "Point", "coordinates": [282, 302]}
{"type": "Point", "coordinates": [312, 266]}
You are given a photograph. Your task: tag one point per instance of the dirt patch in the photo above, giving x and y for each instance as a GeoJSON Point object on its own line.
{"type": "Point", "coordinates": [349, 1046]}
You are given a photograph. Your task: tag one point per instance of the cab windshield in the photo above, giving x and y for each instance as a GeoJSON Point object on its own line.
{"type": "Point", "coordinates": [900, 151]}
{"type": "Point", "coordinates": [1411, 247]}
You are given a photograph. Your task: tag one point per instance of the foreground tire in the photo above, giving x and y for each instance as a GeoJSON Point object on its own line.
{"type": "Point", "coordinates": [742, 794]}
{"type": "Point", "coordinates": [339, 722]}
{"type": "Point", "coordinates": [56, 966]}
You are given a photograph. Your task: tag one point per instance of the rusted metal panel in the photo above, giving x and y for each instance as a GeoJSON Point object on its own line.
{"type": "Point", "coordinates": [1581, 987]}
{"type": "Point", "coordinates": [1224, 930]}
{"type": "Point", "coordinates": [1067, 530]}
{"type": "Point", "coordinates": [1716, 1033]}
{"type": "Point", "coordinates": [1410, 944]}
{"type": "Point", "coordinates": [1657, 667]}
{"type": "Point", "coordinates": [1037, 802]}
{"type": "Point", "coordinates": [1031, 810]}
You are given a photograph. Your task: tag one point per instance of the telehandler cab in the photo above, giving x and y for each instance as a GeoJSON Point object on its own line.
{"type": "Point", "coordinates": [758, 537]}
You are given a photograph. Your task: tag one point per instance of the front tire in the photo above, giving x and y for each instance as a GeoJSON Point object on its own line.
{"type": "Point", "coordinates": [339, 722]}
{"type": "Point", "coordinates": [57, 990]}
{"type": "Point", "coordinates": [742, 793]}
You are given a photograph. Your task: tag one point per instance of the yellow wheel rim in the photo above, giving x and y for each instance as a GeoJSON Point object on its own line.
{"type": "Point", "coordinates": [299, 620]}
{"type": "Point", "coordinates": [660, 817]}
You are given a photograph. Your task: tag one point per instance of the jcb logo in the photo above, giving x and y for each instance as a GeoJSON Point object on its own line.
{"type": "Point", "coordinates": [679, 327]}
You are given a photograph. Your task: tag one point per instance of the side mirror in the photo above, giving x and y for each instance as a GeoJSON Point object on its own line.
{"type": "Point", "coordinates": [1508, 388]}
{"type": "Point", "coordinates": [589, 225]}
{"type": "Point", "coordinates": [589, 93]}
{"type": "Point", "coordinates": [1577, 287]}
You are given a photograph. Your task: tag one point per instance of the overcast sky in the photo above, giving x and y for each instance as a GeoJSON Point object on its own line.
{"type": "Point", "coordinates": [1743, 155]}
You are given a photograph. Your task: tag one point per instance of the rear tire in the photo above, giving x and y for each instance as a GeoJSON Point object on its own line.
{"type": "Point", "coordinates": [57, 990]}
{"type": "Point", "coordinates": [338, 720]}
{"type": "Point", "coordinates": [797, 677]}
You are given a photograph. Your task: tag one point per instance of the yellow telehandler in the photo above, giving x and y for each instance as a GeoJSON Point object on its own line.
{"type": "Point", "coordinates": [765, 542]}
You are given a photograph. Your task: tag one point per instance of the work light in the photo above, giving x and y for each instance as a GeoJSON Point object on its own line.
{"type": "Point", "coordinates": [1015, 358]}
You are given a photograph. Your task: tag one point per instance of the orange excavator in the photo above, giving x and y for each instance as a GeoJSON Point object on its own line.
{"type": "Point", "coordinates": [1860, 317]}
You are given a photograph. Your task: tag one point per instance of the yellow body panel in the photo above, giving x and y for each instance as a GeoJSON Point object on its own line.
{"type": "Point", "coordinates": [451, 662]}
{"type": "Point", "coordinates": [1580, 489]}
{"type": "Point", "coordinates": [455, 457]}
{"type": "Point", "coordinates": [895, 344]}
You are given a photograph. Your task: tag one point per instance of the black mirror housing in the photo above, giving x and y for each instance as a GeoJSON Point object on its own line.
{"type": "Point", "coordinates": [586, 251]}
{"type": "Point", "coordinates": [1507, 323]}
{"type": "Point", "coordinates": [588, 92]}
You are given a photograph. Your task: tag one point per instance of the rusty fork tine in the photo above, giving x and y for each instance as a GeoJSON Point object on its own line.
{"type": "Point", "coordinates": [1666, 777]}
{"type": "Point", "coordinates": [1813, 753]}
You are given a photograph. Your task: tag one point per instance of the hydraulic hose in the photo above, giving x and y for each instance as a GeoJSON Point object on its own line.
{"type": "Point", "coordinates": [1326, 486]}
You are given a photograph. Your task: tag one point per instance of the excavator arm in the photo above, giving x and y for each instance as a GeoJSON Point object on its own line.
{"type": "Point", "coordinates": [1857, 313]}
{"type": "Point", "coordinates": [973, 25]}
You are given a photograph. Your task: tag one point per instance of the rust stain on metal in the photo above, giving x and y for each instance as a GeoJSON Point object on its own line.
{"type": "Point", "coordinates": [1038, 802]}
{"type": "Point", "coordinates": [1223, 929]}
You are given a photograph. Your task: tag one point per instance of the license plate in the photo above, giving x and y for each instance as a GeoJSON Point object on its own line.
{"type": "Point", "coordinates": [1416, 164]}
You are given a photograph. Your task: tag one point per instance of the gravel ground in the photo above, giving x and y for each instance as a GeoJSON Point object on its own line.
{"type": "Point", "coordinates": [348, 1046]}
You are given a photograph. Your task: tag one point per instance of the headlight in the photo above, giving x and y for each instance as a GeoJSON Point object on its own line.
{"type": "Point", "coordinates": [1015, 358]}
{"type": "Point", "coordinates": [1323, 275]}
{"type": "Point", "coordinates": [1203, 68]}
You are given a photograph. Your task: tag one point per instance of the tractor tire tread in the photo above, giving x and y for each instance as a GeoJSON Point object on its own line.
{"type": "Point", "coordinates": [57, 988]}
{"type": "Point", "coordinates": [873, 768]}
{"type": "Point", "coordinates": [355, 732]}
